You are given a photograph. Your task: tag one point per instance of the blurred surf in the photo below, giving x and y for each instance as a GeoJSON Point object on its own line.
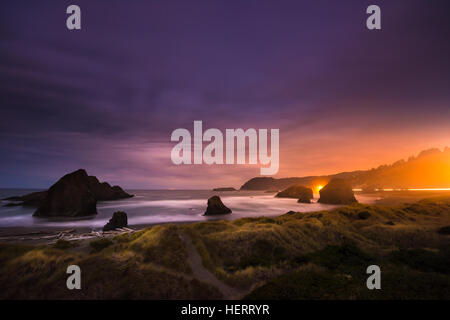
{"type": "Point", "coordinates": [165, 206]}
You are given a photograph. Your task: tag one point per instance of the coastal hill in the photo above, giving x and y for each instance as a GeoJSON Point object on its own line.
{"type": "Point", "coordinates": [224, 189]}
{"type": "Point", "coordinates": [429, 169]}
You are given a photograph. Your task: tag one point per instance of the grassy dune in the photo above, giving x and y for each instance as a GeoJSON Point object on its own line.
{"type": "Point", "coordinates": [148, 264]}
{"type": "Point", "coordinates": [321, 255]}
{"type": "Point", "coordinates": [325, 254]}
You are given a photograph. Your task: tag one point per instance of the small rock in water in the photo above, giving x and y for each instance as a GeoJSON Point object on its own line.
{"type": "Point", "coordinates": [216, 206]}
{"type": "Point", "coordinates": [118, 220]}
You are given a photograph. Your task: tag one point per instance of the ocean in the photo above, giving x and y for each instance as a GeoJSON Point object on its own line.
{"type": "Point", "coordinates": [164, 206]}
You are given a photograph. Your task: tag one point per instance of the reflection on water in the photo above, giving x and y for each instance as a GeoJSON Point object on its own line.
{"type": "Point", "coordinates": [160, 206]}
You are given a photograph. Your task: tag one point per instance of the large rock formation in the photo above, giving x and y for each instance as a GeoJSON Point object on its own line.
{"type": "Point", "coordinates": [118, 220]}
{"type": "Point", "coordinates": [75, 195]}
{"type": "Point", "coordinates": [304, 198]}
{"type": "Point", "coordinates": [337, 191]}
{"type": "Point", "coordinates": [216, 206]}
{"type": "Point", "coordinates": [71, 196]}
{"type": "Point", "coordinates": [303, 194]}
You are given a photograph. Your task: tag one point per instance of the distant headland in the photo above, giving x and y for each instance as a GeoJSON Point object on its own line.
{"type": "Point", "coordinates": [429, 169]}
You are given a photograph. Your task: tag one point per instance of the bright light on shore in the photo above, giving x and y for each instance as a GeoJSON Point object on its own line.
{"type": "Point", "coordinates": [319, 187]}
{"type": "Point", "coordinates": [405, 189]}
{"type": "Point", "coordinates": [429, 189]}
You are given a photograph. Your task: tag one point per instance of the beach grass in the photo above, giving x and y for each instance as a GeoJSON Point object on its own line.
{"type": "Point", "coordinates": [252, 251]}
{"type": "Point", "coordinates": [318, 255]}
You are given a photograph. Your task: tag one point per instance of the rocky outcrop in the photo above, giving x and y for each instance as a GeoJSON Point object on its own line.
{"type": "Point", "coordinates": [304, 199]}
{"type": "Point", "coordinates": [303, 194]}
{"type": "Point", "coordinates": [34, 199]}
{"type": "Point", "coordinates": [103, 191]}
{"type": "Point", "coordinates": [225, 189]}
{"type": "Point", "coordinates": [76, 195]}
{"type": "Point", "coordinates": [69, 197]}
{"type": "Point", "coordinates": [216, 206]}
{"type": "Point", "coordinates": [337, 191]}
{"type": "Point", "coordinates": [100, 191]}
{"type": "Point", "coordinates": [118, 220]}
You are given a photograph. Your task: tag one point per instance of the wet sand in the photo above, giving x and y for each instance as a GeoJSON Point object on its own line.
{"type": "Point", "coordinates": [49, 235]}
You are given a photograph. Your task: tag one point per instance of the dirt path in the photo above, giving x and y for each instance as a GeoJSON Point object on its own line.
{"type": "Point", "coordinates": [204, 275]}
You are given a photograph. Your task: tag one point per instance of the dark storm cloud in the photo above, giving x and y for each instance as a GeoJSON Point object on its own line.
{"type": "Point", "coordinates": [102, 97]}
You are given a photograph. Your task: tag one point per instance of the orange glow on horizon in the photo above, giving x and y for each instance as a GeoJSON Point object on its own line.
{"type": "Point", "coordinates": [405, 189]}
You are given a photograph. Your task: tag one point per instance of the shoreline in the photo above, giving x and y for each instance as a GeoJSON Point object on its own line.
{"type": "Point", "coordinates": [49, 234]}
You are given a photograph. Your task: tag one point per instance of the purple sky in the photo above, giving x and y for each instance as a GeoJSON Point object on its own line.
{"type": "Point", "coordinates": [107, 98]}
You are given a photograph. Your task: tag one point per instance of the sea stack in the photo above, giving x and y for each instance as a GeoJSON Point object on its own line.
{"type": "Point", "coordinates": [216, 207]}
{"type": "Point", "coordinates": [76, 195]}
{"type": "Point", "coordinates": [304, 198]}
{"type": "Point", "coordinates": [337, 191]}
{"type": "Point", "coordinates": [303, 194]}
{"type": "Point", "coordinates": [118, 220]}
{"type": "Point", "coordinates": [69, 197]}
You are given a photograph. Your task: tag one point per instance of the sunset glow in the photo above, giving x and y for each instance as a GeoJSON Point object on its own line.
{"type": "Point", "coordinates": [113, 112]}
{"type": "Point", "coordinates": [407, 189]}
